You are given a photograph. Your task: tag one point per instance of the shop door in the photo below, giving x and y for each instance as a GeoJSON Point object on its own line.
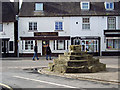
{"type": "Point", "coordinates": [45, 43]}
{"type": "Point", "coordinates": [4, 48]}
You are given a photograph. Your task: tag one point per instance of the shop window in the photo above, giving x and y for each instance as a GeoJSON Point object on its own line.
{"type": "Point", "coordinates": [39, 6]}
{"type": "Point", "coordinates": [111, 23]}
{"type": "Point", "coordinates": [32, 25]}
{"type": "Point", "coordinates": [28, 45]}
{"type": "Point", "coordinates": [60, 44]}
{"type": "Point", "coordinates": [90, 45]}
{"type": "Point", "coordinates": [83, 45]}
{"type": "Point", "coordinates": [113, 44]}
{"type": "Point", "coordinates": [85, 23]}
{"type": "Point", "coordinates": [11, 46]}
{"type": "Point", "coordinates": [58, 25]}
{"type": "Point", "coordinates": [77, 42]}
{"type": "Point", "coordinates": [1, 27]}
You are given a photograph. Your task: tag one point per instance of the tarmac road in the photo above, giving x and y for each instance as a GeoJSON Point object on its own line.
{"type": "Point", "coordinates": [16, 73]}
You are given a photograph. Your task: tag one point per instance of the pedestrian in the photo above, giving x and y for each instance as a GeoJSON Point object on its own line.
{"type": "Point", "coordinates": [35, 52]}
{"type": "Point", "coordinates": [48, 53]}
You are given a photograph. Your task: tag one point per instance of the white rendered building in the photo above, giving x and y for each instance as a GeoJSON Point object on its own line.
{"type": "Point", "coordinates": [8, 29]}
{"type": "Point", "coordinates": [93, 25]}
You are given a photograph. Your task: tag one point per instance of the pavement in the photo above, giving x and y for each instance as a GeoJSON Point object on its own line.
{"type": "Point", "coordinates": [111, 75]}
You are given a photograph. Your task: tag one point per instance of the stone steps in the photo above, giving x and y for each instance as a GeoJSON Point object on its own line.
{"type": "Point", "coordinates": [75, 57]}
{"type": "Point", "coordinates": [74, 53]}
{"type": "Point", "coordinates": [76, 61]}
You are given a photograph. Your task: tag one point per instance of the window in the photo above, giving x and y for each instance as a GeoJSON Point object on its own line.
{"type": "Point", "coordinates": [28, 45]}
{"type": "Point", "coordinates": [11, 46]}
{"type": "Point", "coordinates": [109, 5]}
{"type": "Point", "coordinates": [58, 25]}
{"type": "Point", "coordinates": [113, 44]}
{"type": "Point", "coordinates": [60, 44]}
{"type": "Point", "coordinates": [111, 23]}
{"type": "Point", "coordinates": [76, 41]}
{"type": "Point", "coordinates": [90, 45]}
{"type": "Point", "coordinates": [86, 23]}
{"type": "Point", "coordinates": [85, 5]}
{"type": "Point", "coordinates": [1, 27]}
{"type": "Point", "coordinates": [32, 25]}
{"type": "Point", "coordinates": [39, 6]}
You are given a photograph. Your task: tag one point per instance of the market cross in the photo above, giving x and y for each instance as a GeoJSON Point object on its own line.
{"type": "Point", "coordinates": [76, 61]}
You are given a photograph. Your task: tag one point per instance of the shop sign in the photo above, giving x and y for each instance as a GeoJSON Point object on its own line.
{"type": "Point", "coordinates": [112, 37]}
{"type": "Point", "coordinates": [46, 34]}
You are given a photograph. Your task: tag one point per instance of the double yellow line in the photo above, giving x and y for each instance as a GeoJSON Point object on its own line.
{"type": "Point", "coordinates": [6, 86]}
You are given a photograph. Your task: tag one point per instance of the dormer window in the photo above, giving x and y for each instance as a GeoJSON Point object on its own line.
{"type": "Point", "coordinates": [109, 5]}
{"type": "Point", "coordinates": [85, 5]}
{"type": "Point", "coordinates": [39, 6]}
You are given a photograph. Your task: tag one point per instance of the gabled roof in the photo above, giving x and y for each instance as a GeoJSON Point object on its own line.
{"type": "Point", "coordinates": [7, 12]}
{"type": "Point", "coordinates": [66, 9]}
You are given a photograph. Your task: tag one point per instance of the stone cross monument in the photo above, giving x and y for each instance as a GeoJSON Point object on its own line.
{"type": "Point", "coordinates": [76, 61]}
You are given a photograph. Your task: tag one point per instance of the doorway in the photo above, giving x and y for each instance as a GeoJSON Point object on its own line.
{"type": "Point", "coordinates": [4, 48]}
{"type": "Point", "coordinates": [45, 43]}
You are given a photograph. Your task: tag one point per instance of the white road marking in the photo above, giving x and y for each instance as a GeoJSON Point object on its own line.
{"type": "Point", "coordinates": [6, 86]}
{"type": "Point", "coordinates": [44, 82]}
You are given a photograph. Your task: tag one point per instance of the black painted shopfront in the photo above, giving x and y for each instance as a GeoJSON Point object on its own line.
{"type": "Point", "coordinates": [91, 45]}
{"type": "Point", "coordinates": [112, 38]}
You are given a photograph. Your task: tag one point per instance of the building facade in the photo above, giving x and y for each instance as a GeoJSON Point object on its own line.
{"type": "Point", "coordinates": [8, 29]}
{"type": "Point", "coordinates": [93, 25]}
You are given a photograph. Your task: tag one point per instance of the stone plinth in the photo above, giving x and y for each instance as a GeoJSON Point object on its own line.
{"type": "Point", "coordinates": [76, 61]}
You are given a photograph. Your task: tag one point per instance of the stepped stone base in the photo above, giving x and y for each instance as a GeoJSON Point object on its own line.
{"type": "Point", "coordinates": [76, 61]}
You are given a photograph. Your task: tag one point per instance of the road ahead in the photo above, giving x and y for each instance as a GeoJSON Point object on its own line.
{"type": "Point", "coordinates": [16, 74]}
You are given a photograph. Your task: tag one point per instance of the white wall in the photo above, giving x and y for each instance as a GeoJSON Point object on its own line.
{"type": "Point", "coordinates": [45, 24]}
{"type": "Point", "coordinates": [8, 31]}
{"type": "Point", "coordinates": [97, 27]}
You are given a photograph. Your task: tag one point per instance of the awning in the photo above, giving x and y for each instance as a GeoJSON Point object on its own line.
{"type": "Point", "coordinates": [46, 38]}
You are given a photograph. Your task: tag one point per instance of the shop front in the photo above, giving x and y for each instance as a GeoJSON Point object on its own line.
{"type": "Point", "coordinates": [112, 38]}
{"type": "Point", "coordinates": [7, 47]}
{"type": "Point", "coordinates": [90, 45]}
{"type": "Point", "coordinates": [58, 44]}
